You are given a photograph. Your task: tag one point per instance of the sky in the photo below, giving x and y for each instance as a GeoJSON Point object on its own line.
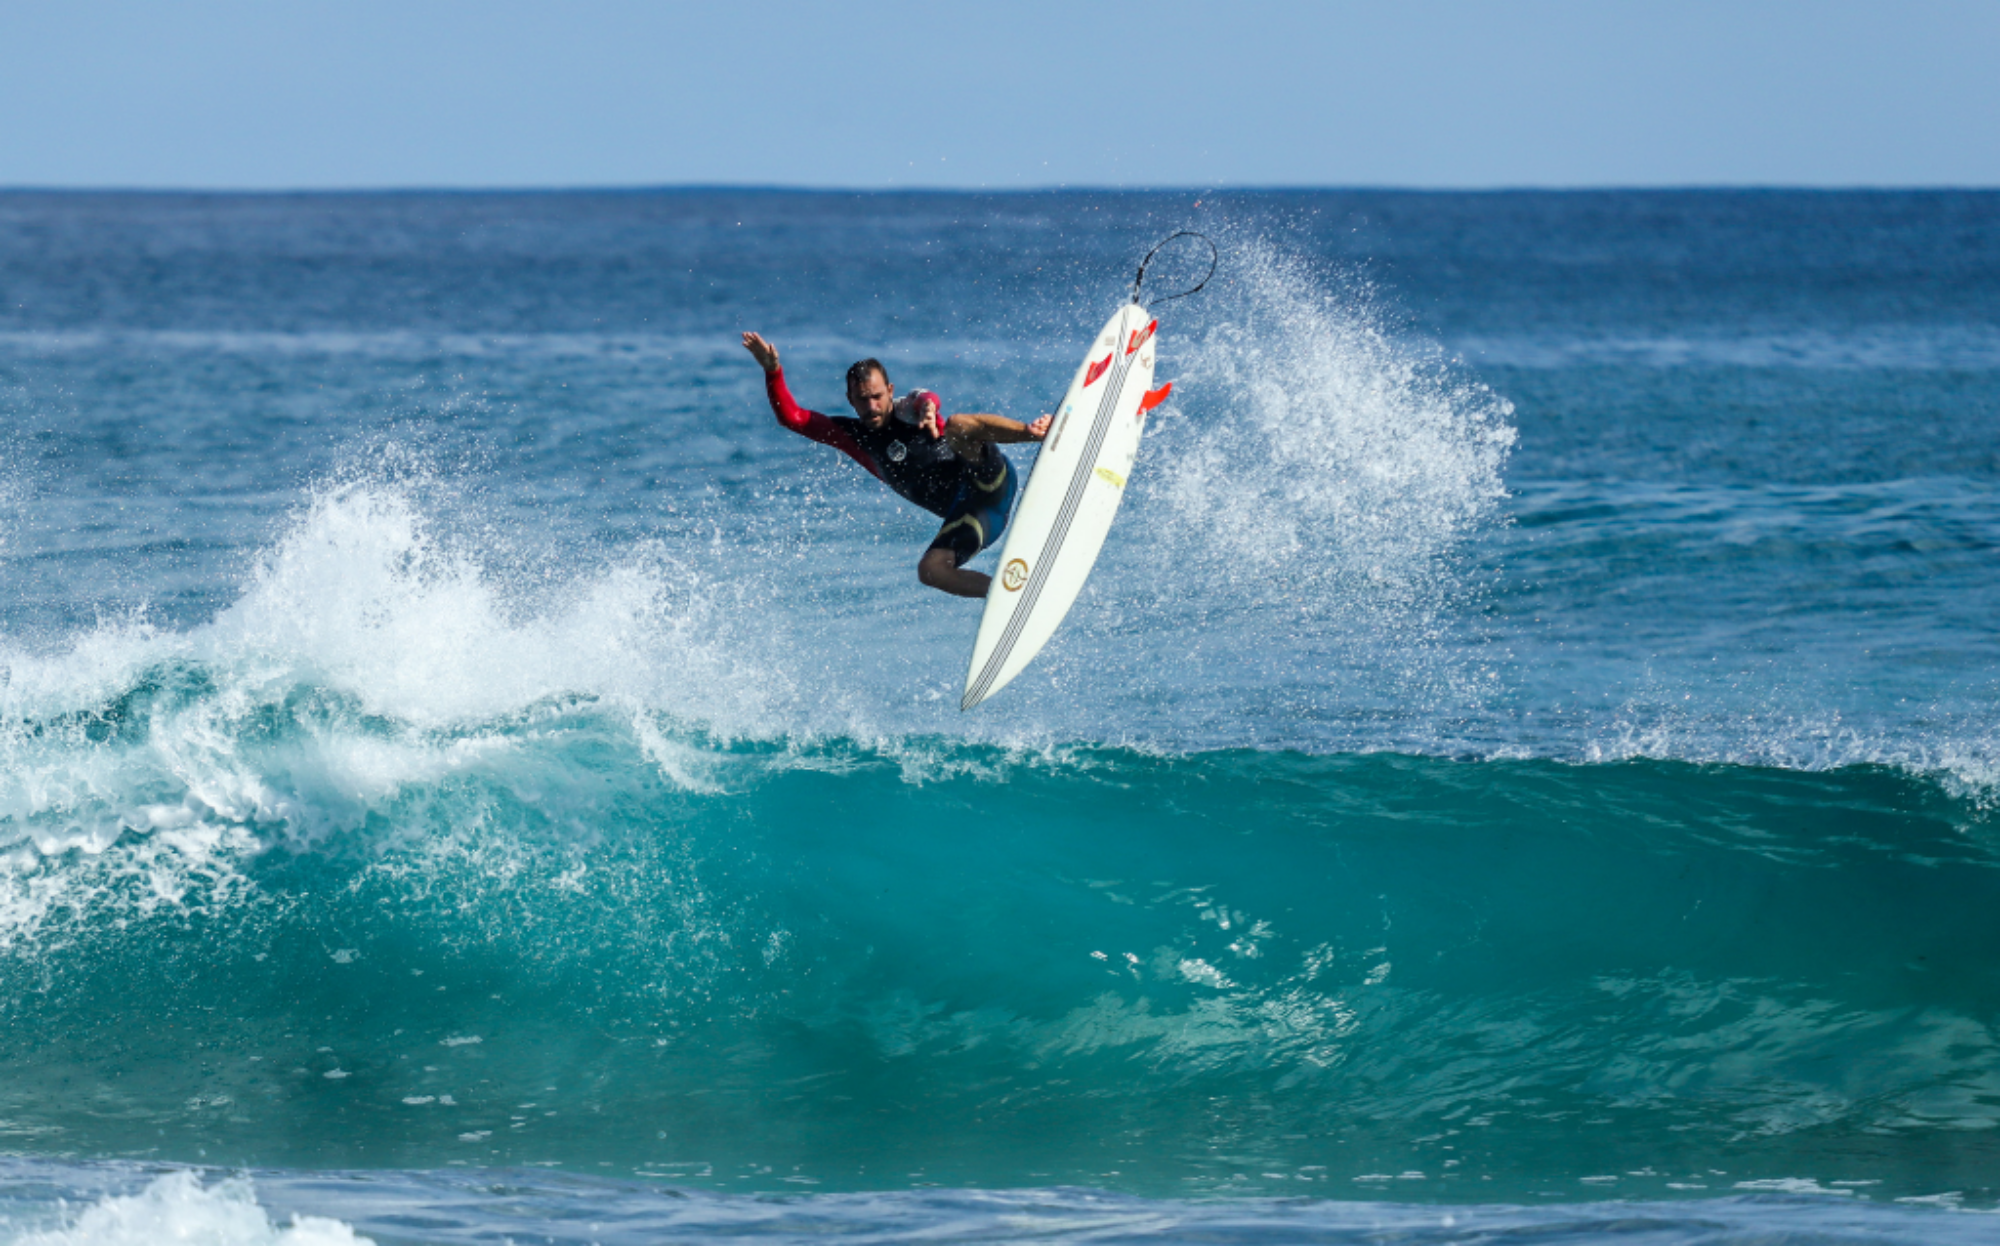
{"type": "Point", "coordinates": [278, 94]}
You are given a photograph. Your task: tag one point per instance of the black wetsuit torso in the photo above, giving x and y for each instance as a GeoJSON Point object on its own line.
{"type": "Point", "coordinates": [973, 496]}
{"type": "Point", "coordinates": [920, 467]}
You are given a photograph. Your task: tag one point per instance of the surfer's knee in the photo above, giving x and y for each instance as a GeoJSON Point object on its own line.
{"type": "Point", "coordinates": [936, 568]}
{"type": "Point", "coordinates": [940, 569]}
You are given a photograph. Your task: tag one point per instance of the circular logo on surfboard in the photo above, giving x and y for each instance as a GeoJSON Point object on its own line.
{"type": "Point", "coordinates": [1014, 575]}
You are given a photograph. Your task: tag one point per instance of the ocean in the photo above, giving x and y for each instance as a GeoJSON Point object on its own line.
{"type": "Point", "coordinates": [1526, 766]}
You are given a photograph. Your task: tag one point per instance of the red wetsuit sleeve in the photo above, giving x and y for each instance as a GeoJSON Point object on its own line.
{"type": "Point", "coordinates": [811, 423]}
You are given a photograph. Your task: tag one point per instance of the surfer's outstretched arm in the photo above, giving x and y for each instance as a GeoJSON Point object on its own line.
{"type": "Point", "coordinates": [970, 430]}
{"type": "Point", "coordinates": [810, 424]}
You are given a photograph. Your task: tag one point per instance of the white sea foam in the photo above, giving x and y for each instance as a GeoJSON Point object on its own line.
{"type": "Point", "coordinates": [1960, 754]}
{"type": "Point", "coordinates": [178, 1208]}
{"type": "Point", "coordinates": [362, 596]}
{"type": "Point", "coordinates": [1326, 447]}
{"type": "Point", "coordinates": [362, 602]}
{"type": "Point", "coordinates": [1308, 493]}
{"type": "Point", "coordinates": [367, 658]}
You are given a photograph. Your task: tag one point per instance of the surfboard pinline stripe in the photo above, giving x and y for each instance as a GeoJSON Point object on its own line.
{"type": "Point", "coordinates": [1058, 532]}
{"type": "Point", "coordinates": [1031, 592]}
{"type": "Point", "coordinates": [1107, 410]}
{"type": "Point", "coordinates": [1107, 407]}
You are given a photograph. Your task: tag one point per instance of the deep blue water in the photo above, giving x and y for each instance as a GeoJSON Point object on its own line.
{"type": "Point", "coordinates": [1524, 764]}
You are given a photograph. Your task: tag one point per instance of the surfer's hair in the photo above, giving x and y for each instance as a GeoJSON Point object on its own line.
{"type": "Point", "coordinates": [859, 373]}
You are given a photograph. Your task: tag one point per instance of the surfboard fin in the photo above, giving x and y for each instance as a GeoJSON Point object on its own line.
{"type": "Point", "coordinates": [1139, 336]}
{"type": "Point", "coordinates": [1096, 370]}
{"type": "Point", "coordinates": [1154, 397]}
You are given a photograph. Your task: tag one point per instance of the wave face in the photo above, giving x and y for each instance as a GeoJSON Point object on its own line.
{"type": "Point", "coordinates": [249, 914]}
{"type": "Point", "coordinates": [1536, 746]}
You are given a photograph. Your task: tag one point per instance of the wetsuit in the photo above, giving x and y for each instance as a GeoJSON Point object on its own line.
{"type": "Point", "coordinates": [973, 496]}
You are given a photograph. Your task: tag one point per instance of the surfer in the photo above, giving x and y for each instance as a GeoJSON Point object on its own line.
{"type": "Point", "coordinates": [952, 467]}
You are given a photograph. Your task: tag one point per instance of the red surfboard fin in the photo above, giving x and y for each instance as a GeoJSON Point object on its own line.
{"type": "Point", "coordinates": [1139, 336]}
{"type": "Point", "coordinates": [1154, 397]}
{"type": "Point", "coordinates": [1096, 370]}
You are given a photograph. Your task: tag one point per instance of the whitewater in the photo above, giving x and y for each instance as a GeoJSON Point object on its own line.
{"type": "Point", "coordinates": [1523, 766]}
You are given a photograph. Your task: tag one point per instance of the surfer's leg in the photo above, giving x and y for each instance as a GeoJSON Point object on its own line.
{"type": "Point", "coordinates": [940, 570]}
{"type": "Point", "coordinates": [974, 522]}
{"type": "Point", "coordinates": [962, 536]}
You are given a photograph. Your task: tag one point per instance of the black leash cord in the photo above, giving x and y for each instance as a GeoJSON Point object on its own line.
{"type": "Point", "coordinates": [1214, 257]}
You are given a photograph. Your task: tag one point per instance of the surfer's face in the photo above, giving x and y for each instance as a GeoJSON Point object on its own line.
{"type": "Point", "coordinates": [872, 399]}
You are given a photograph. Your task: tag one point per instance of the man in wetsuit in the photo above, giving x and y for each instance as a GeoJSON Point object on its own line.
{"type": "Point", "coordinates": [950, 467]}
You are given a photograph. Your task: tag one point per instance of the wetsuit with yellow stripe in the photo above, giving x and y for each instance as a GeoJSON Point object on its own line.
{"type": "Point", "coordinates": [973, 496]}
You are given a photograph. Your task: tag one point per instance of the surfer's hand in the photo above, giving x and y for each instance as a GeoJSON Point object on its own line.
{"type": "Point", "coordinates": [762, 351]}
{"type": "Point", "coordinates": [1040, 428]}
{"type": "Point", "coordinates": [929, 421]}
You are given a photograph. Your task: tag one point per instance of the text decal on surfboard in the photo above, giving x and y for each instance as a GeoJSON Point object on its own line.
{"type": "Point", "coordinates": [1096, 370]}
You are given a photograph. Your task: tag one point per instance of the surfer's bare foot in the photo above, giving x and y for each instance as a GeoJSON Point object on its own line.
{"type": "Point", "coordinates": [938, 571]}
{"type": "Point", "coordinates": [762, 351]}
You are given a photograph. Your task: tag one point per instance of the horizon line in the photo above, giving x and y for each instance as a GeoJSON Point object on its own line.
{"type": "Point", "coordinates": [779, 188]}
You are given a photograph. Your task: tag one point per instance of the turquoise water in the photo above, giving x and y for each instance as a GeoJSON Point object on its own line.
{"type": "Point", "coordinates": [1527, 749]}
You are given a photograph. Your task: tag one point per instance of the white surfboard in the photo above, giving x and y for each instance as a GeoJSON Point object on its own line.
{"type": "Point", "coordinates": [1072, 497]}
